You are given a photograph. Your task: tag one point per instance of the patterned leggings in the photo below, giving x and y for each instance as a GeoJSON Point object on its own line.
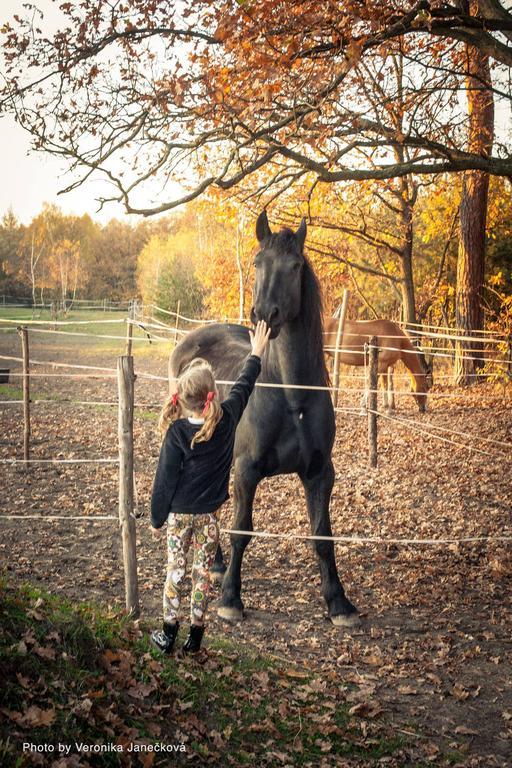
{"type": "Point", "coordinates": [181, 530]}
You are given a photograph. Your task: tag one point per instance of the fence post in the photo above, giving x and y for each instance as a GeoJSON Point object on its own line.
{"type": "Point", "coordinates": [26, 393]}
{"type": "Point", "coordinates": [176, 327]}
{"type": "Point", "coordinates": [372, 401]}
{"type": "Point", "coordinates": [129, 330]}
{"type": "Point", "coordinates": [125, 381]}
{"type": "Point", "coordinates": [339, 336]}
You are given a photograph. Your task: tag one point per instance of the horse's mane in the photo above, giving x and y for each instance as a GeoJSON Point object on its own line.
{"type": "Point", "coordinates": [311, 308]}
{"type": "Point", "coordinates": [312, 312]}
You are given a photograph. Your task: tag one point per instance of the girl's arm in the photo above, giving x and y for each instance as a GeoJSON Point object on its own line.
{"type": "Point", "coordinates": [242, 388]}
{"type": "Point", "coordinates": [166, 480]}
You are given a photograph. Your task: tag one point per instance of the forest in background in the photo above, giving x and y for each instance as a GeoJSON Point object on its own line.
{"type": "Point", "coordinates": [202, 254]}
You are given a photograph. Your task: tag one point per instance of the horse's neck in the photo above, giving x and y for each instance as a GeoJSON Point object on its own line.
{"type": "Point", "coordinates": [413, 364]}
{"type": "Point", "coordinates": [290, 359]}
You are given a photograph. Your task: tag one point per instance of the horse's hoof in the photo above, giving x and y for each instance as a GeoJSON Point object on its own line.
{"type": "Point", "coordinates": [230, 614]}
{"type": "Point", "coordinates": [217, 577]}
{"type": "Point", "coordinates": [346, 620]}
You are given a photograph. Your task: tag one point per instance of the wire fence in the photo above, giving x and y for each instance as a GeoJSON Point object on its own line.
{"type": "Point", "coordinates": [124, 463]}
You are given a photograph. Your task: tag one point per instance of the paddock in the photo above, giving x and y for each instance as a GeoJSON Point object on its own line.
{"type": "Point", "coordinates": [435, 635]}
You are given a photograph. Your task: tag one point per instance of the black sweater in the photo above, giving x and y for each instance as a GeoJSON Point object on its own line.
{"type": "Point", "coordinates": [195, 481]}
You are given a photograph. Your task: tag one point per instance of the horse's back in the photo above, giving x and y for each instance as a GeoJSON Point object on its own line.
{"type": "Point", "coordinates": [223, 345]}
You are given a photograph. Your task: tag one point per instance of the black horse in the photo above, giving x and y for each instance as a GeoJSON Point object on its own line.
{"type": "Point", "coordinates": [283, 430]}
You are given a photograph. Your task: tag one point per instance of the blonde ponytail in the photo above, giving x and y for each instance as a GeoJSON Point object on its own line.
{"type": "Point", "coordinates": [170, 412]}
{"type": "Point", "coordinates": [212, 416]}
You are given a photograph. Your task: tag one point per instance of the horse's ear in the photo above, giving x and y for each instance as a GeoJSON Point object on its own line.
{"type": "Point", "coordinates": [263, 230]}
{"type": "Point", "coordinates": [300, 234]}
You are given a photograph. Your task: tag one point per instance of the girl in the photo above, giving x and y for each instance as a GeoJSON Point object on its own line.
{"type": "Point", "coordinates": [191, 482]}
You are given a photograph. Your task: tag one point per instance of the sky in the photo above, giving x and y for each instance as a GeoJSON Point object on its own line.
{"type": "Point", "coordinates": [32, 178]}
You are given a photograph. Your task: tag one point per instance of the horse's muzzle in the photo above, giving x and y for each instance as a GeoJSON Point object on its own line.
{"type": "Point", "coordinates": [275, 325]}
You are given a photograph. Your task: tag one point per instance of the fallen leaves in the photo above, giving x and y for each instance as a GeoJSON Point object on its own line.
{"type": "Point", "coordinates": [34, 717]}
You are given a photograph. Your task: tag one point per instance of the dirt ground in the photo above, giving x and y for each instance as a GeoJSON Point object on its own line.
{"type": "Point", "coordinates": [434, 651]}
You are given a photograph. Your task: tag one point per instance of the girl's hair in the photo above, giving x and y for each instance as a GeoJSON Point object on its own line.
{"type": "Point", "coordinates": [195, 391]}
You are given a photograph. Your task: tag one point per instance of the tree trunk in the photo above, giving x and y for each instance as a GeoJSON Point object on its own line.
{"type": "Point", "coordinates": [239, 266]}
{"type": "Point", "coordinates": [473, 214]}
{"type": "Point", "coordinates": [407, 286]}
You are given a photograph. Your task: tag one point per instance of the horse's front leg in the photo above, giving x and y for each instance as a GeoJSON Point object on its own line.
{"type": "Point", "coordinates": [219, 566]}
{"type": "Point", "coordinates": [391, 389]}
{"type": "Point", "coordinates": [318, 488]}
{"type": "Point", "coordinates": [246, 480]}
{"type": "Point", "coordinates": [383, 383]}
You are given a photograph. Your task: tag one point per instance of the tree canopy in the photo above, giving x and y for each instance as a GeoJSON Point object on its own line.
{"type": "Point", "coordinates": [219, 92]}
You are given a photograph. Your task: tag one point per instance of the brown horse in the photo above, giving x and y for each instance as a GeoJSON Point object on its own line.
{"type": "Point", "coordinates": [394, 345]}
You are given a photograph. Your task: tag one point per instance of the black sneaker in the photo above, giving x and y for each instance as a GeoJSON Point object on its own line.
{"type": "Point", "coordinates": [164, 639]}
{"type": "Point", "coordinates": [193, 642]}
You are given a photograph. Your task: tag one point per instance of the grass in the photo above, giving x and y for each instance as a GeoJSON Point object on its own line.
{"type": "Point", "coordinates": [93, 340]}
{"type": "Point", "coordinates": [80, 673]}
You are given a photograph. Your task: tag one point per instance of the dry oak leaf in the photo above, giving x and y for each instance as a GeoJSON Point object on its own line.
{"type": "Point", "coordinates": [297, 673]}
{"type": "Point", "coordinates": [45, 652]}
{"type": "Point", "coordinates": [368, 709]}
{"type": "Point", "coordinates": [407, 690]}
{"type": "Point", "coordinates": [460, 692]}
{"type": "Point", "coordinates": [83, 708]}
{"type": "Point", "coordinates": [141, 690]}
{"type": "Point", "coordinates": [35, 717]}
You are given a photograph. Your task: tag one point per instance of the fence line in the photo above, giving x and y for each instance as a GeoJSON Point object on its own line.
{"type": "Point", "coordinates": [94, 335]}
{"type": "Point", "coordinates": [59, 461]}
{"type": "Point", "coordinates": [89, 518]}
{"type": "Point", "coordinates": [421, 428]}
{"type": "Point", "coordinates": [495, 340]}
{"type": "Point", "coordinates": [442, 327]}
{"type": "Point", "coordinates": [363, 539]}
{"type": "Point", "coordinates": [59, 401]}
{"type": "Point", "coordinates": [455, 432]}
{"type": "Point", "coordinates": [454, 336]}
{"type": "Point", "coordinates": [59, 365]}
{"type": "Point", "coordinates": [411, 425]}
{"type": "Point", "coordinates": [429, 351]}
{"type": "Point", "coordinates": [224, 382]}
{"type": "Point", "coordinates": [178, 316]}
{"type": "Point", "coordinates": [293, 536]}
{"type": "Point", "coordinates": [21, 321]}
{"type": "Point", "coordinates": [126, 378]}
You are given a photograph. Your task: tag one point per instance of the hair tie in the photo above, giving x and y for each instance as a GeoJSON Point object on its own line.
{"type": "Point", "coordinates": [174, 400]}
{"type": "Point", "coordinates": [209, 398]}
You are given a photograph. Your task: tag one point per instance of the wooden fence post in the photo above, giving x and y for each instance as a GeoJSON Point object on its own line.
{"type": "Point", "coordinates": [26, 393]}
{"type": "Point", "coordinates": [339, 337]}
{"type": "Point", "coordinates": [176, 327]}
{"type": "Point", "coordinates": [372, 401]}
{"type": "Point", "coordinates": [125, 381]}
{"type": "Point", "coordinates": [129, 330]}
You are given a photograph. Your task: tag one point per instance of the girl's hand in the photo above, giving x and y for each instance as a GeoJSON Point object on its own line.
{"type": "Point", "coordinates": [260, 337]}
{"type": "Point", "coordinates": [158, 533]}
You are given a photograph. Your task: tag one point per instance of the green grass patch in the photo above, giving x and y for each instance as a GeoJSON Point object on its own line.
{"type": "Point", "coordinates": [10, 392]}
{"type": "Point", "coordinates": [78, 673]}
{"type": "Point", "coordinates": [92, 334]}
{"type": "Point", "coordinates": [144, 415]}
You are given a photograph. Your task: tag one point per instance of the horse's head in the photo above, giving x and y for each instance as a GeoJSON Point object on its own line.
{"type": "Point", "coordinates": [427, 365]}
{"type": "Point", "coordinates": [424, 381]}
{"type": "Point", "coordinates": [278, 278]}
